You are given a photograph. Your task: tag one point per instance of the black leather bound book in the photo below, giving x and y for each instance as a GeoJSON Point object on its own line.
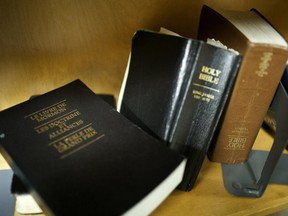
{"type": "Point", "coordinates": [176, 89]}
{"type": "Point", "coordinates": [78, 156]}
{"type": "Point", "coordinates": [25, 204]}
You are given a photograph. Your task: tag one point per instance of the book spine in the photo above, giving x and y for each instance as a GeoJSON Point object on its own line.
{"type": "Point", "coordinates": [254, 89]}
{"type": "Point", "coordinates": [157, 72]}
{"type": "Point", "coordinates": [210, 83]}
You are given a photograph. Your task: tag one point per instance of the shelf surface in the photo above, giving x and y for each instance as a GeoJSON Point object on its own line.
{"type": "Point", "coordinates": [47, 44]}
{"type": "Point", "coordinates": [209, 196]}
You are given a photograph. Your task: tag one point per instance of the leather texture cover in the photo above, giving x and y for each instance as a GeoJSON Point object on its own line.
{"type": "Point", "coordinates": [78, 156]}
{"type": "Point", "coordinates": [256, 83]}
{"type": "Point", "coordinates": [176, 89]}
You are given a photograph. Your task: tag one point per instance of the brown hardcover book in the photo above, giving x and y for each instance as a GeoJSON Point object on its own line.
{"type": "Point", "coordinates": [265, 54]}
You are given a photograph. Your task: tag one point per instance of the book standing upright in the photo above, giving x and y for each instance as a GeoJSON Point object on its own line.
{"type": "Point", "coordinates": [265, 54]}
{"type": "Point", "coordinates": [176, 88]}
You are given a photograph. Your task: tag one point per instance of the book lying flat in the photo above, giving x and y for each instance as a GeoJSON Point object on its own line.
{"type": "Point", "coordinates": [25, 204]}
{"type": "Point", "coordinates": [78, 156]}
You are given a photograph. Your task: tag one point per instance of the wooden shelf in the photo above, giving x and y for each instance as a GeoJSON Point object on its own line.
{"type": "Point", "coordinates": [209, 196]}
{"type": "Point", "coordinates": [46, 44]}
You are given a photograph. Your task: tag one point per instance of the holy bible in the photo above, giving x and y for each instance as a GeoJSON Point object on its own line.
{"type": "Point", "coordinates": [265, 54]}
{"type": "Point", "coordinates": [78, 156]}
{"type": "Point", "coordinates": [176, 89]}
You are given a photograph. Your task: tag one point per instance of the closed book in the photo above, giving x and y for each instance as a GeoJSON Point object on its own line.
{"type": "Point", "coordinates": [265, 54]}
{"type": "Point", "coordinates": [77, 155]}
{"type": "Point", "coordinates": [25, 203]}
{"type": "Point", "coordinates": [176, 88]}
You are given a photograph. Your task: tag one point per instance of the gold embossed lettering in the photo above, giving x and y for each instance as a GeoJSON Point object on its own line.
{"type": "Point", "coordinates": [264, 64]}
{"type": "Point", "coordinates": [209, 74]}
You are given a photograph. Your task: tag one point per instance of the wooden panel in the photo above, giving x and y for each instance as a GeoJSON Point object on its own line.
{"type": "Point", "coordinates": [45, 44]}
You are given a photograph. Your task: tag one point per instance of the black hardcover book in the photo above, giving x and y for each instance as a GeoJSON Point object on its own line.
{"type": "Point", "coordinates": [108, 98]}
{"type": "Point", "coordinates": [78, 156]}
{"type": "Point", "coordinates": [25, 204]}
{"type": "Point", "coordinates": [176, 89]}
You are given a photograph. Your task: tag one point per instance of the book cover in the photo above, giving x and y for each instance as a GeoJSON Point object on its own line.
{"type": "Point", "coordinates": [176, 89]}
{"type": "Point", "coordinates": [25, 204]}
{"type": "Point", "coordinates": [78, 156]}
{"type": "Point", "coordinates": [265, 54]}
